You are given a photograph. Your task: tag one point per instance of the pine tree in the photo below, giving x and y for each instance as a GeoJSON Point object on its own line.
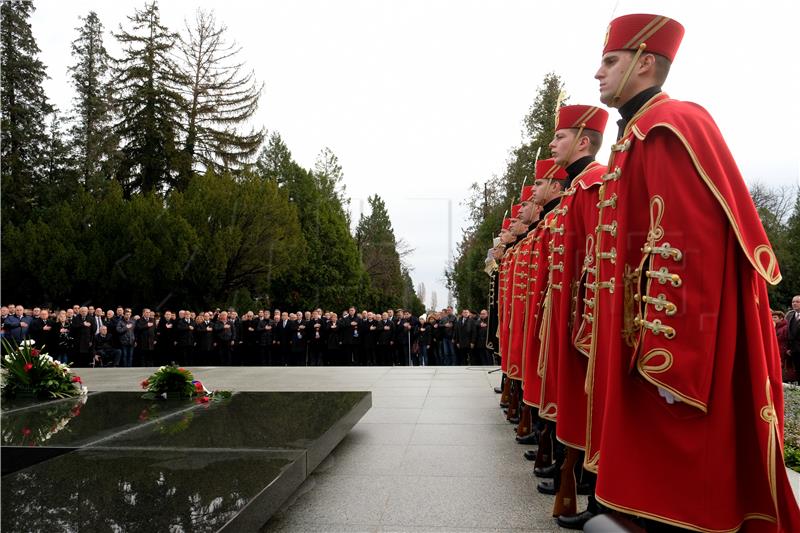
{"type": "Point", "coordinates": [378, 247]}
{"type": "Point", "coordinates": [23, 139]}
{"type": "Point", "coordinates": [329, 173]}
{"type": "Point", "coordinates": [220, 99]}
{"type": "Point", "coordinates": [333, 276]}
{"type": "Point", "coordinates": [93, 141]}
{"type": "Point", "coordinates": [149, 104]}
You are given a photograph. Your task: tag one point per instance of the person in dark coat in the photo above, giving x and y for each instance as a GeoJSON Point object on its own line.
{"type": "Point", "coordinates": [204, 340]}
{"type": "Point", "coordinates": [483, 354]}
{"type": "Point", "coordinates": [316, 340]}
{"type": "Point", "coordinates": [464, 335]}
{"type": "Point", "coordinates": [81, 331]}
{"type": "Point", "coordinates": [145, 331]}
{"type": "Point", "coordinates": [282, 337]}
{"type": "Point", "coordinates": [127, 337]}
{"type": "Point", "coordinates": [165, 342]}
{"type": "Point", "coordinates": [297, 340]}
{"type": "Point", "coordinates": [385, 340]}
{"type": "Point", "coordinates": [225, 335]}
{"type": "Point", "coordinates": [41, 331]}
{"type": "Point", "coordinates": [249, 355]}
{"type": "Point", "coordinates": [333, 340]}
{"type": "Point", "coordinates": [426, 352]}
{"type": "Point", "coordinates": [184, 338]}
{"type": "Point", "coordinates": [63, 347]}
{"type": "Point", "coordinates": [104, 352]}
{"type": "Point", "coordinates": [15, 327]}
{"type": "Point", "coordinates": [264, 332]}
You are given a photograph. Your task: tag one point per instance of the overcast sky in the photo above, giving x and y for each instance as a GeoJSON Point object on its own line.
{"type": "Point", "coordinates": [418, 99]}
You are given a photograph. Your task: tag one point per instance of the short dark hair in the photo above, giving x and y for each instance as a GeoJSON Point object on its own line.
{"type": "Point", "coordinates": [595, 140]}
{"type": "Point", "coordinates": [662, 68]}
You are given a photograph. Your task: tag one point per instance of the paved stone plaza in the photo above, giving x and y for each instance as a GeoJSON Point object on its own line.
{"type": "Point", "coordinates": [433, 454]}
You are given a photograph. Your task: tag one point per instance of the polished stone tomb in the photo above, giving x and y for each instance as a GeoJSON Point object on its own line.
{"type": "Point", "coordinates": [113, 461]}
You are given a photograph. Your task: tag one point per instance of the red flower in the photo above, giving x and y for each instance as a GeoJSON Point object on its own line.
{"type": "Point", "coordinates": [181, 370]}
{"type": "Point", "coordinates": [144, 415]}
{"type": "Point", "coordinates": [26, 431]}
{"type": "Point", "coordinates": [76, 379]}
{"type": "Point", "coordinates": [198, 387]}
{"type": "Point", "coordinates": [204, 399]}
{"type": "Point", "coordinates": [145, 384]}
{"type": "Point", "coordinates": [27, 367]}
{"type": "Point", "coordinates": [35, 352]}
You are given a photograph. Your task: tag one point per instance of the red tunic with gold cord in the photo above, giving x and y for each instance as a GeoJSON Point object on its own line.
{"type": "Point", "coordinates": [519, 298]}
{"type": "Point", "coordinates": [685, 421]}
{"type": "Point", "coordinates": [504, 306]}
{"type": "Point", "coordinates": [536, 287]}
{"type": "Point", "coordinates": [563, 367]}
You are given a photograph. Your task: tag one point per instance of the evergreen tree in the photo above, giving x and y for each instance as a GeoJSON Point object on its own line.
{"type": "Point", "coordinates": [149, 103]}
{"type": "Point", "coordinates": [23, 139]}
{"type": "Point", "coordinates": [247, 236]}
{"type": "Point", "coordinates": [93, 141]}
{"type": "Point", "coordinates": [59, 175]}
{"type": "Point", "coordinates": [333, 276]}
{"type": "Point", "coordinates": [378, 247]}
{"type": "Point", "coordinates": [220, 99]}
{"type": "Point", "coordinates": [329, 173]}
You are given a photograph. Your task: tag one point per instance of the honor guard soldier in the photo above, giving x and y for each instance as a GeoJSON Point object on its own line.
{"type": "Point", "coordinates": [547, 191]}
{"type": "Point", "coordinates": [577, 139]}
{"type": "Point", "coordinates": [503, 304]}
{"type": "Point", "coordinates": [685, 394]}
{"type": "Point", "coordinates": [517, 283]}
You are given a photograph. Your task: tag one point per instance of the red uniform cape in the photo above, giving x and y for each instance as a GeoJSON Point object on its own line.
{"type": "Point", "coordinates": [519, 298]}
{"type": "Point", "coordinates": [504, 306]}
{"type": "Point", "coordinates": [682, 312]}
{"type": "Point", "coordinates": [537, 283]}
{"type": "Point", "coordinates": [564, 368]}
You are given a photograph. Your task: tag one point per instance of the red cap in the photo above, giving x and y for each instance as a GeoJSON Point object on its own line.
{"type": "Point", "coordinates": [526, 194]}
{"type": "Point", "coordinates": [506, 224]}
{"type": "Point", "coordinates": [547, 169]}
{"type": "Point", "coordinates": [515, 210]}
{"type": "Point", "coordinates": [660, 35]}
{"type": "Point", "coordinates": [587, 116]}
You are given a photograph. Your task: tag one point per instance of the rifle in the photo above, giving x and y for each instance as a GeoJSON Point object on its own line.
{"type": "Point", "coordinates": [566, 500]}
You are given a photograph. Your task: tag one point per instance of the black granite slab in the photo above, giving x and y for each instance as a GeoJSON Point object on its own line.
{"type": "Point", "coordinates": [114, 461]}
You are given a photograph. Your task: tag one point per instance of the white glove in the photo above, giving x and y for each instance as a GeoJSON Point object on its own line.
{"type": "Point", "coordinates": [668, 396]}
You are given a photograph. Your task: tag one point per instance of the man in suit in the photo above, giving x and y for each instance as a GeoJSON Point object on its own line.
{"type": "Point", "coordinates": [82, 333]}
{"type": "Point", "coordinates": [225, 333]}
{"type": "Point", "coordinates": [793, 319]}
{"type": "Point", "coordinates": [281, 339]}
{"type": "Point", "coordinates": [164, 338]}
{"type": "Point", "coordinates": [104, 352]}
{"type": "Point", "coordinates": [464, 334]}
{"type": "Point", "coordinates": [146, 338]}
{"type": "Point", "coordinates": [184, 337]}
{"type": "Point", "coordinates": [483, 354]}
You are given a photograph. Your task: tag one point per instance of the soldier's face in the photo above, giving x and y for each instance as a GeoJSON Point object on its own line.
{"type": "Point", "coordinates": [560, 145]}
{"type": "Point", "coordinates": [612, 70]}
{"type": "Point", "coordinates": [526, 212]}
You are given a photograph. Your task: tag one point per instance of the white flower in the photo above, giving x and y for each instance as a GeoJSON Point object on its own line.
{"type": "Point", "coordinates": [28, 342]}
{"type": "Point", "coordinates": [8, 359]}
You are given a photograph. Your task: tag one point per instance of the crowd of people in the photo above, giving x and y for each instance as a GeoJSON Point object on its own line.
{"type": "Point", "coordinates": [88, 335]}
{"type": "Point", "coordinates": [787, 329]}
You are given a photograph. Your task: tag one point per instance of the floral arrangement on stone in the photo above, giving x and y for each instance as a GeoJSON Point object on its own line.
{"type": "Point", "coordinates": [172, 381]}
{"type": "Point", "coordinates": [39, 426]}
{"type": "Point", "coordinates": [29, 372]}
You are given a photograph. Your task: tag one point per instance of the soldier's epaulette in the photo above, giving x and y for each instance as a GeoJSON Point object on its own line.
{"type": "Point", "coordinates": [591, 176]}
